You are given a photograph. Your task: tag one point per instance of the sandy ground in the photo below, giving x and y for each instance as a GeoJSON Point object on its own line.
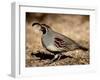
{"type": "Point", "coordinates": [75, 27]}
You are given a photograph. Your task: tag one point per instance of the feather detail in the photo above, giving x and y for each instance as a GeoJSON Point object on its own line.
{"type": "Point", "coordinates": [59, 43]}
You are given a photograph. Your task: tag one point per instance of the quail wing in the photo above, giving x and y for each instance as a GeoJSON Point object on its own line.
{"type": "Point", "coordinates": [64, 42]}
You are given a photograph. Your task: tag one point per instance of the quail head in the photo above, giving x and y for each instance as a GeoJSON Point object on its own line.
{"type": "Point", "coordinates": [56, 42]}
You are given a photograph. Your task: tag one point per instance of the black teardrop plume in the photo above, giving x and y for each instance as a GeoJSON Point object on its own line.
{"type": "Point", "coordinates": [36, 24]}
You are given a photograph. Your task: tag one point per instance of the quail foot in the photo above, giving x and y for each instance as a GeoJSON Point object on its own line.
{"type": "Point", "coordinates": [56, 42]}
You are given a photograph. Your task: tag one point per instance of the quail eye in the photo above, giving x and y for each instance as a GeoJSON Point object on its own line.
{"type": "Point", "coordinates": [43, 29]}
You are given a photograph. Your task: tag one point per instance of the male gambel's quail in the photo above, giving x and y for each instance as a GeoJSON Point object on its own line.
{"type": "Point", "coordinates": [55, 42]}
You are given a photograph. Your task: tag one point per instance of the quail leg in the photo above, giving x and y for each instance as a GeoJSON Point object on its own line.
{"type": "Point", "coordinates": [59, 56]}
{"type": "Point", "coordinates": [56, 57]}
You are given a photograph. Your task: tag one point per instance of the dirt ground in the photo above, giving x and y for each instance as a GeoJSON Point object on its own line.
{"type": "Point", "coordinates": [75, 27]}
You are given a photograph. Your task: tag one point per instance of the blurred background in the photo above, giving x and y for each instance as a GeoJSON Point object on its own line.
{"type": "Point", "coordinates": [74, 26]}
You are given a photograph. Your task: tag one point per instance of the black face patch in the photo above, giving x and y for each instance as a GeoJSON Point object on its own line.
{"type": "Point", "coordinates": [43, 29]}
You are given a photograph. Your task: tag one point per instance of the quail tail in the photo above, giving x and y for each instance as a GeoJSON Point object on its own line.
{"type": "Point", "coordinates": [83, 48]}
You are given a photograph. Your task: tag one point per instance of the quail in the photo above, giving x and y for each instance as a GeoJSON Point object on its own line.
{"type": "Point", "coordinates": [55, 42]}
